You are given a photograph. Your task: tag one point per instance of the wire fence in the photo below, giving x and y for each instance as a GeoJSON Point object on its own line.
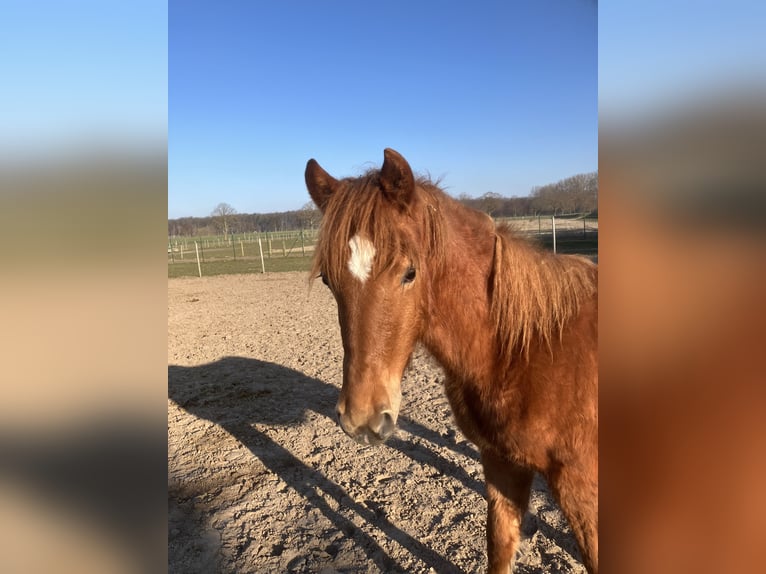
{"type": "Point", "coordinates": [284, 242]}
{"type": "Point", "coordinates": [292, 250]}
{"type": "Point", "coordinates": [241, 253]}
{"type": "Point", "coordinates": [544, 224]}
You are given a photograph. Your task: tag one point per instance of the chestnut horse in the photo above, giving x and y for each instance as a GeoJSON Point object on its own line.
{"type": "Point", "coordinates": [514, 328]}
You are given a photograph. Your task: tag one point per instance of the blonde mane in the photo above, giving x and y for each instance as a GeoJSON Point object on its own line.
{"type": "Point", "coordinates": [535, 293]}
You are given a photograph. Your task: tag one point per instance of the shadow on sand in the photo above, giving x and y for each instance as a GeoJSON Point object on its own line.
{"type": "Point", "coordinates": [218, 391]}
{"type": "Point", "coordinates": [238, 393]}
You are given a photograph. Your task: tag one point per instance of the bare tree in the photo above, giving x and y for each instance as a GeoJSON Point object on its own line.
{"type": "Point", "coordinates": [575, 194]}
{"type": "Point", "coordinates": [309, 216]}
{"type": "Point", "coordinates": [222, 214]}
{"type": "Point", "coordinates": [490, 202]}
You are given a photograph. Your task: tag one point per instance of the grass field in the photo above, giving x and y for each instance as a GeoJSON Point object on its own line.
{"type": "Point", "coordinates": [238, 266]}
{"type": "Point", "coordinates": [222, 260]}
{"type": "Point", "coordinates": [572, 245]}
{"type": "Point", "coordinates": [283, 251]}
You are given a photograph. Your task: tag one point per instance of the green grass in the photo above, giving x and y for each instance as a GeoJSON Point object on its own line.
{"type": "Point", "coordinates": [572, 245]}
{"type": "Point", "coordinates": [238, 266]}
{"type": "Point", "coordinates": [221, 261]}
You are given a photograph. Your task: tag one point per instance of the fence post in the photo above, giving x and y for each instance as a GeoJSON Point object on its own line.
{"type": "Point", "coordinates": [260, 249]}
{"type": "Point", "coordinates": [199, 267]}
{"type": "Point", "coordinates": [242, 245]}
{"type": "Point", "coordinates": [553, 225]}
{"type": "Point", "coordinates": [303, 245]}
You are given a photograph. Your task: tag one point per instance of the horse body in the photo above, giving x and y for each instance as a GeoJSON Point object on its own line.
{"type": "Point", "coordinates": [514, 328]}
{"type": "Point", "coordinates": [523, 416]}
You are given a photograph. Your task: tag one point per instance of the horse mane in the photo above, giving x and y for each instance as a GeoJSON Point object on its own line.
{"type": "Point", "coordinates": [534, 293]}
{"type": "Point", "coordinates": [358, 206]}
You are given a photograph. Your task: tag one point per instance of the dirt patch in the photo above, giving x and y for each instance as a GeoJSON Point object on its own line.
{"type": "Point", "coordinates": [261, 478]}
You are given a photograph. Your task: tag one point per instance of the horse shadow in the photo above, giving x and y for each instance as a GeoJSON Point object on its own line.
{"type": "Point", "coordinates": [238, 394]}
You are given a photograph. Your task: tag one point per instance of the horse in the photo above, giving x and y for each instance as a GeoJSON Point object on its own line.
{"type": "Point", "coordinates": [513, 326]}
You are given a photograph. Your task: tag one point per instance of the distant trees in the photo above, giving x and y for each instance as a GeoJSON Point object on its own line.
{"type": "Point", "coordinates": [495, 205]}
{"type": "Point", "coordinates": [223, 213]}
{"type": "Point", "coordinates": [306, 218]}
{"type": "Point", "coordinates": [309, 216]}
{"type": "Point", "coordinates": [491, 203]}
{"type": "Point", "coordinates": [182, 226]}
{"type": "Point", "coordinates": [576, 194]}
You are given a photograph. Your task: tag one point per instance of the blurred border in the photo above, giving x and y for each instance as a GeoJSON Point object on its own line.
{"type": "Point", "coordinates": [83, 285]}
{"type": "Point", "coordinates": [83, 220]}
{"type": "Point", "coordinates": [682, 334]}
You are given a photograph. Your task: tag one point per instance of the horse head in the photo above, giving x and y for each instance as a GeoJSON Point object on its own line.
{"type": "Point", "coordinates": [370, 254]}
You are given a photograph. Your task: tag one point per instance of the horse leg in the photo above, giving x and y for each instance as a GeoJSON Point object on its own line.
{"type": "Point", "coordinates": [508, 488]}
{"type": "Point", "coordinates": [577, 493]}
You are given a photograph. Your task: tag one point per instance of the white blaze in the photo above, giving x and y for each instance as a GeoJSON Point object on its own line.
{"type": "Point", "coordinates": [362, 253]}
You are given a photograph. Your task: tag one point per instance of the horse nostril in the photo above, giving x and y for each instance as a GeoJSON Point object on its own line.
{"type": "Point", "coordinates": [387, 426]}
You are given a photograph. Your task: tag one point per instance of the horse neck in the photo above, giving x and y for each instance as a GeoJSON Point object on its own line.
{"type": "Point", "coordinates": [458, 330]}
{"type": "Point", "coordinates": [496, 289]}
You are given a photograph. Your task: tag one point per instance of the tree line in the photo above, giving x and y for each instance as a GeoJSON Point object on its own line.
{"type": "Point", "coordinates": [576, 194]}
{"type": "Point", "coordinates": [225, 220]}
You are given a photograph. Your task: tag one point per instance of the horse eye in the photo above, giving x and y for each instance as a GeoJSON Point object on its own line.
{"type": "Point", "coordinates": [324, 279]}
{"type": "Point", "coordinates": [409, 276]}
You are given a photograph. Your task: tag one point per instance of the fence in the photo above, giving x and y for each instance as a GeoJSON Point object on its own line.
{"type": "Point", "coordinates": [241, 253]}
{"type": "Point", "coordinates": [542, 224]}
{"type": "Point", "coordinates": [567, 233]}
{"type": "Point", "coordinates": [285, 241]}
{"type": "Point", "coordinates": [292, 250]}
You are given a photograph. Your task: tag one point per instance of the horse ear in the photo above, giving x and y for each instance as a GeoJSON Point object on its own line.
{"type": "Point", "coordinates": [320, 184]}
{"type": "Point", "coordinates": [396, 177]}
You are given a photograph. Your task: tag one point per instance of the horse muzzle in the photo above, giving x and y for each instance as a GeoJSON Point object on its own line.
{"type": "Point", "coordinates": [379, 427]}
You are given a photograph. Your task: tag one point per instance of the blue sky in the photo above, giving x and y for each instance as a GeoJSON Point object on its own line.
{"type": "Point", "coordinates": [673, 53]}
{"type": "Point", "coordinates": [490, 96]}
{"type": "Point", "coordinates": [493, 96]}
{"type": "Point", "coordinates": [77, 72]}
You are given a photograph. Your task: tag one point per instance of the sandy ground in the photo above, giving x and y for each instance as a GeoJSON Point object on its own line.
{"type": "Point", "coordinates": [261, 478]}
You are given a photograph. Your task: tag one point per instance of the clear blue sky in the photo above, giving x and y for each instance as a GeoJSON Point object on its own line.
{"type": "Point", "coordinates": [82, 72]}
{"type": "Point", "coordinates": [672, 53]}
{"type": "Point", "coordinates": [491, 96]}
{"type": "Point", "coordinates": [494, 96]}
